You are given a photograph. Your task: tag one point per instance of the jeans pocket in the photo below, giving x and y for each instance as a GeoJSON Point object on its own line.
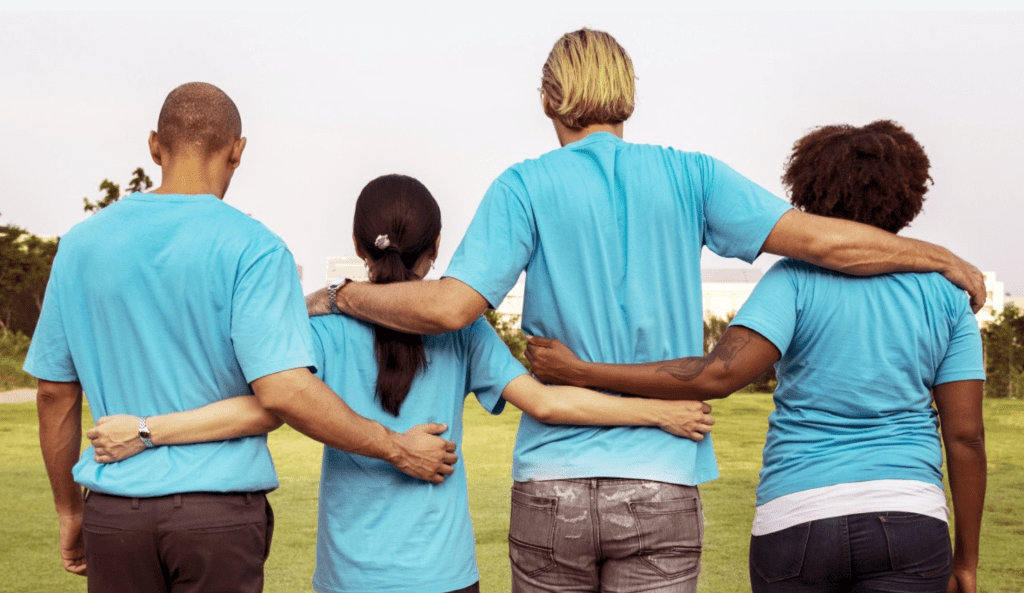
{"type": "Point", "coordinates": [531, 533]}
{"type": "Point", "coordinates": [670, 534]}
{"type": "Point", "coordinates": [918, 544]}
{"type": "Point", "coordinates": [779, 556]}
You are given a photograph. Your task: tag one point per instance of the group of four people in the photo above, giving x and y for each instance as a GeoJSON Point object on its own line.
{"type": "Point", "coordinates": [166, 306]}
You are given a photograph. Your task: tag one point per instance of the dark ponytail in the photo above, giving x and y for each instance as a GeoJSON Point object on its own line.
{"type": "Point", "coordinates": [396, 222]}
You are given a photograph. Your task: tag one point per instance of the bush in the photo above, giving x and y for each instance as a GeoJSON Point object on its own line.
{"type": "Point", "coordinates": [510, 333]}
{"type": "Point", "coordinates": [13, 348]}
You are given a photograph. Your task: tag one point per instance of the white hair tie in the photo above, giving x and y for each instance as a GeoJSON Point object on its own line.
{"type": "Point", "coordinates": [382, 242]}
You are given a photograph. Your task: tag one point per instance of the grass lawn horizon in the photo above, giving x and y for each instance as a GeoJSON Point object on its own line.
{"type": "Point", "coordinates": [28, 536]}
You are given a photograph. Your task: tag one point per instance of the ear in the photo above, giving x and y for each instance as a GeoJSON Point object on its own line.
{"type": "Point", "coordinates": [235, 156]}
{"type": "Point", "coordinates": [437, 246]}
{"type": "Point", "coordinates": [154, 149]}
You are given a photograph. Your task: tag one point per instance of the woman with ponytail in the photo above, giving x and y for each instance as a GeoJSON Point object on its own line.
{"type": "Point", "coordinates": [378, 529]}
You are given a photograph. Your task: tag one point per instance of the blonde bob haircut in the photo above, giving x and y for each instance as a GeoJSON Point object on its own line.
{"type": "Point", "coordinates": [588, 79]}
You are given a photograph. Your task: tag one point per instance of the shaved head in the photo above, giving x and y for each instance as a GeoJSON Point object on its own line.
{"type": "Point", "coordinates": [198, 117]}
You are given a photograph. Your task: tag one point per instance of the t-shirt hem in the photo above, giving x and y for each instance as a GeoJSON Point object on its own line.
{"type": "Point", "coordinates": [667, 476]}
{"type": "Point", "coordinates": [278, 366]}
{"type": "Point", "coordinates": [435, 587]}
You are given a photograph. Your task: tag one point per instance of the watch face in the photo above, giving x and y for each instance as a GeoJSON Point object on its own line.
{"type": "Point", "coordinates": [144, 433]}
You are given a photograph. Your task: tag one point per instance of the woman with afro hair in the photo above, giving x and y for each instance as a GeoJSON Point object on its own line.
{"type": "Point", "coordinates": [850, 496]}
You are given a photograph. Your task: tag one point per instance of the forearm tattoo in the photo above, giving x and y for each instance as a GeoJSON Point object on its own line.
{"type": "Point", "coordinates": [727, 349]}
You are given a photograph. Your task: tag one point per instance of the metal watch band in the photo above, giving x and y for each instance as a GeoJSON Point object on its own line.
{"type": "Point", "coordinates": [144, 434]}
{"type": "Point", "coordinates": [332, 293]}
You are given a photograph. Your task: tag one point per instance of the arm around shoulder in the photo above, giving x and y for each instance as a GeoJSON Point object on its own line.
{"type": "Point", "coordinates": [417, 307]}
{"type": "Point", "coordinates": [862, 250]}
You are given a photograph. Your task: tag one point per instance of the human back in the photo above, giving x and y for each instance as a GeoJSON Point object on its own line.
{"type": "Point", "coordinates": [378, 529]}
{"type": "Point", "coordinates": [854, 399]}
{"type": "Point", "coordinates": [610, 235]}
{"type": "Point", "coordinates": [159, 314]}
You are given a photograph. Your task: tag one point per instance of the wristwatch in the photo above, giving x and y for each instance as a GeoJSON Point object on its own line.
{"type": "Point", "coordinates": [332, 293]}
{"type": "Point", "coordinates": [144, 435]}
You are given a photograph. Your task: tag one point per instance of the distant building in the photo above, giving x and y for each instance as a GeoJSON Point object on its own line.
{"type": "Point", "coordinates": [345, 267]}
{"type": "Point", "coordinates": [995, 299]}
{"type": "Point", "coordinates": [726, 289]}
{"type": "Point", "coordinates": [724, 292]}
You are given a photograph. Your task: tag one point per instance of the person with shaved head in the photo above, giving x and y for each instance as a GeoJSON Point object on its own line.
{"type": "Point", "coordinates": [156, 305]}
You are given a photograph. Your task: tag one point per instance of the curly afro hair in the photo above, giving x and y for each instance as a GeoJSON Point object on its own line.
{"type": "Point", "coordinates": [875, 174]}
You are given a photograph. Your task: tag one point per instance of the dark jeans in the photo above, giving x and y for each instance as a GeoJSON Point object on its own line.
{"type": "Point", "coordinates": [884, 552]}
{"type": "Point", "coordinates": [183, 543]}
{"type": "Point", "coordinates": [604, 534]}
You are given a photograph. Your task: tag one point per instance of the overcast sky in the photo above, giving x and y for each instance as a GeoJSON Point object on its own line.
{"type": "Point", "coordinates": [334, 95]}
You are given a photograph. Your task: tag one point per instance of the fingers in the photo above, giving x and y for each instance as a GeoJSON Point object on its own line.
{"type": "Point", "coordinates": [431, 428]}
{"type": "Point", "coordinates": [75, 565]}
{"type": "Point", "coordinates": [539, 341]}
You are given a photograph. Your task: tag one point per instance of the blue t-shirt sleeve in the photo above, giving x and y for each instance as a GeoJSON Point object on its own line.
{"type": "Point", "coordinates": [771, 309]}
{"type": "Point", "coordinates": [963, 360]}
{"type": "Point", "coordinates": [739, 214]}
{"type": "Point", "coordinates": [491, 366]}
{"type": "Point", "coordinates": [49, 354]}
{"type": "Point", "coordinates": [499, 242]}
{"type": "Point", "coordinates": [320, 334]}
{"type": "Point", "coordinates": [269, 325]}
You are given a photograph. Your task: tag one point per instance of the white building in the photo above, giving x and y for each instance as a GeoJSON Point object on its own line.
{"type": "Point", "coordinates": [995, 299]}
{"type": "Point", "coordinates": [724, 292]}
{"type": "Point", "coordinates": [345, 267]}
{"type": "Point", "coordinates": [726, 289]}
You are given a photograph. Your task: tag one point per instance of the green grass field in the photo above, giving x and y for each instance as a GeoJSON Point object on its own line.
{"type": "Point", "coordinates": [28, 532]}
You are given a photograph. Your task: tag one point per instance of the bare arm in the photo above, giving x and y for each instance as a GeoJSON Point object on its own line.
{"type": "Point", "coordinates": [573, 405]}
{"type": "Point", "coordinates": [863, 250]}
{"type": "Point", "coordinates": [737, 359]}
{"type": "Point", "coordinates": [418, 307]}
{"type": "Point", "coordinates": [60, 438]}
{"type": "Point", "coordinates": [963, 435]}
{"type": "Point", "coordinates": [117, 437]}
{"type": "Point", "coordinates": [309, 406]}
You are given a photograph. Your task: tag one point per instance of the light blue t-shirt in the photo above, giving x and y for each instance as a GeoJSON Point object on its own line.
{"type": "Point", "coordinates": [610, 235]}
{"type": "Point", "coordinates": [378, 529]}
{"type": "Point", "coordinates": [859, 357]}
{"type": "Point", "coordinates": [165, 303]}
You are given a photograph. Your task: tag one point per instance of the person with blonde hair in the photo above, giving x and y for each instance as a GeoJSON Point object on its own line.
{"type": "Point", "coordinates": [610, 234]}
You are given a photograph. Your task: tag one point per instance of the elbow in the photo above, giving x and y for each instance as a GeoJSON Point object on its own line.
{"type": "Point", "coordinates": [279, 392]}
{"type": "Point", "coordinates": [451, 317]}
{"type": "Point", "coordinates": [455, 306]}
{"type": "Point", "coordinates": [267, 422]}
{"type": "Point", "coordinates": [548, 411]}
{"type": "Point", "coordinates": [973, 441]}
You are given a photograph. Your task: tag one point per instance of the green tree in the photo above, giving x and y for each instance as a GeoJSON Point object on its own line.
{"type": "Point", "coordinates": [714, 327]}
{"type": "Point", "coordinates": [1003, 341]}
{"type": "Point", "coordinates": [112, 191]}
{"type": "Point", "coordinates": [511, 334]}
{"type": "Point", "coordinates": [25, 262]}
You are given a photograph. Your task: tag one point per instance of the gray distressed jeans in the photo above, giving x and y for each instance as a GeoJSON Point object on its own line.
{"type": "Point", "coordinates": [605, 534]}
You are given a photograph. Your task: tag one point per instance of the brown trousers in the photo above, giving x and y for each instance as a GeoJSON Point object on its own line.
{"type": "Point", "coordinates": [182, 543]}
